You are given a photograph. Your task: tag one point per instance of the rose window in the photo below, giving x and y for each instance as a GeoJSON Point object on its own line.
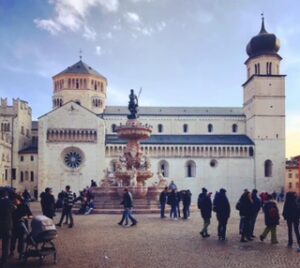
{"type": "Point", "coordinates": [73, 159]}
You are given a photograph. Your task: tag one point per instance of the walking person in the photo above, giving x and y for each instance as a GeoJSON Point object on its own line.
{"type": "Point", "coordinates": [48, 203]}
{"type": "Point", "coordinates": [291, 214]}
{"type": "Point", "coordinates": [222, 208]}
{"type": "Point", "coordinates": [128, 205]}
{"type": "Point", "coordinates": [162, 201]}
{"type": "Point", "coordinates": [271, 220]}
{"type": "Point", "coordinates": [6, 210]}
{"type": "Point", "coordinates": [205, 206]}
{"type": "Point", "coordinates": [67, 207]}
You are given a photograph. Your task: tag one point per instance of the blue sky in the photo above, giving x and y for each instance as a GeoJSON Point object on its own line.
{"type": "Point", "coordinates": [182, 52]}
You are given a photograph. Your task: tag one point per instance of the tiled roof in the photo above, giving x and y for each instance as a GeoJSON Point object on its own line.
{"type": "Point", "coordinates": [188, 140]}
{"type": "Point", "coordinates": [176, 111]}
{"type": "Point", "coordinates": [80, 68]}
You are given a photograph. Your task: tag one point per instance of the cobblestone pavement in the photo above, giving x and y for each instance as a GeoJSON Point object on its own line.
{"type": "Point", "coordinates": [98, 241]}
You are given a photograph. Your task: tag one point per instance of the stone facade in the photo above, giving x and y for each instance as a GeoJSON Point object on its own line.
{"type": "Point", "coordinates": [212, 147]}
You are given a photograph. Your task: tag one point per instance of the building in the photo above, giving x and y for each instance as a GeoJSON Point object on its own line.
{"type": "Point", "coordinates": [292, 171]}
{"type": "Point", "coordinates": [233, 147]}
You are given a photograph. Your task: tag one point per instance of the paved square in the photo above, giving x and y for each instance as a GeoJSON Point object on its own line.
{"type": "Point", "coordinates": [98, 241]}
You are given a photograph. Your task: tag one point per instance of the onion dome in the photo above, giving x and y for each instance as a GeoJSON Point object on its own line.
{"type": "Point", "coordinates": [263, 44]}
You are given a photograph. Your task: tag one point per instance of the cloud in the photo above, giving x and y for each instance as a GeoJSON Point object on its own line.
{"type": "Point", "coordinates": [71, 15]}
{"type": "Point", "coordinates": [132, 18]}
{"type": "Point", "coordinates": [161, 26]}
{"type": "Point", "coordinates": [99, 51]}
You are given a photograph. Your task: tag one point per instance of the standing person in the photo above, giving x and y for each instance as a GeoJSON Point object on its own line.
{"type": "Point", "coordinates": [246, 209]}
{"type": "Point", "coordinates": [256, 209]}
{"type": "Point", "coordinates": [205, 206]}
{"type": "Point", "coordinates": [67, 207]}
{"type": "Point", "coordinates": [48, 203]}
{"type": "Point", "coordinates": [6, 210]}
{"type": "Point", "coordinates": [162, 201]}
{"type": "Point", "coordinates": [179, 199]}
{"type": "Point", "coordinates": [222, 208]}
{"type": "Point", "coordinates": [93, 183]}
{"type": "Point", "coordinates": [21, 211]}
{"type": "Point", "coordinates": [173, 201]}
{"type": "Point", "coordinates": [128, 205]}
{"type": "Point", "coordinates": [291, 214]}
{"type": "Point", "coordinates": [186, 201]}
{"type": "Point", "coordinates": [26, 196]}
{"type": "Point", "coordinates": [172, 186]}
{"type": "Point", "coordinates": [271, 220]}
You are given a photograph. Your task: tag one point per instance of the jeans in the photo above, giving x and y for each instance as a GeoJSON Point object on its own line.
{"type": "Point", "coordinates": [18, 233]}
{"type": "Point", "coordinates": [246, 228]}
{"type": "Point", "coordinates": [67, 212]}
{"type": "Point", "coordinates": [206, 223]}
{"type": "Point", "coordinates": [252, 223]}
{"type": "Point", "coordinates": [290, 224]}
{"type": "Point", "coordinates": [127, 214]}
{"type": "Point", "coordinates": [173, 211]}
{"type": "Point", "coordinates": [162, 209]}
{"type": "Point", "coordinates": [222, 228]}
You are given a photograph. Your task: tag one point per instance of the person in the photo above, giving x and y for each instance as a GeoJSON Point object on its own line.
{"type": "Point", "coordinates": [127, 202]}
{"type": "Point", "coordinates": [173, 202]}
{"type": "Point", "coordinates": [205, 206]}
{"type": "Point", "coordinates": [162, 201]}
{"type": "Point", "coordinates": [21, 211]}
{"type": "Point", "coordinates": [67, 207]}
{"type": "Point", "coordinates": [172, 186]}
{"type": "Point", "coordinates": [6, 210]}
{"type": "Point", "coordinates": [186, 201]}
{"type": "Point", "coordinates": [246, 210]}
{"type": "Point", "coordinates": [93, 183]}
{"type": "Point", "coordinates": [291, 214]}
{"type": "Point", "coordinates": [26, 196]}
{"type": "Point", "coordinates": [256, 209]}
{"type": "Point", "coordinates": [48, 203]}
{"type": "Point", "coordinates": [272, 217]}
{"type": "Point", "coordinates": [221, 207]}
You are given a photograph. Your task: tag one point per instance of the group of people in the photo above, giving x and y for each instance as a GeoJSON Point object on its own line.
{"type": "Point", "coordinates": [14, 215]}
{"type": "Point", "coordinates": [171, 196]}
{"type": "Point", "coordinates": [249, 205]}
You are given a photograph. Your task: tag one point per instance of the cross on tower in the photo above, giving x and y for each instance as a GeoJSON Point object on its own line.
{"type": "Point", "coordinates": [80, 54]}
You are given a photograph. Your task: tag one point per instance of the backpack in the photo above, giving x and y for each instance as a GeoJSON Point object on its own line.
{"type": "Point", "coordinates": [273, 214]}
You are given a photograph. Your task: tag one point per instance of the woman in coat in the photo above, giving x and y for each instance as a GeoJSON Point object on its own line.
{"type": "Point", "coordinates": [291, 215]}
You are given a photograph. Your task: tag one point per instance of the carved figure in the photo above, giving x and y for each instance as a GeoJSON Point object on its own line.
{"type": "Point", "coordinates": [133, 105]}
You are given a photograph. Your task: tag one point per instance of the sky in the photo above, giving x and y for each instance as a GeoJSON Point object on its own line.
{"type": "Point", "coordinates": [181, 52]}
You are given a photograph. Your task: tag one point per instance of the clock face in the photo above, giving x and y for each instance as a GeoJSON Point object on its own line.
{"type": "Point", "coordinates": [73, 159]}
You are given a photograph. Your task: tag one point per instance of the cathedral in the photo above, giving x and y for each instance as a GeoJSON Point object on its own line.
{"type": "Point", "coordinates": [213, 147]}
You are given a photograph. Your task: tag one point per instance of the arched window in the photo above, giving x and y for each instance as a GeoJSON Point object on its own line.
{"type": "Point", "coordinates": [31, 176]}
{"type": "Point", "coordinates": [210, 128]}
{"type": "Point", "coordinates": [268, 168]}
{"type": "Point", "coordinates": [77, 84]}
{"type": "Point", "coordinates": [269, 67]}
{"type": "Point", "coordinates": [185, 128]}
{"type": "Point", "coordinates": [234, 128]}
{"type": "Point", "coordinates": [190, 169]}
{"type": "Point", "coordinates": [163, 168]}
{"type": "Point", "coordinates": [113, 127]}
{"type": "Point", "coordinates": [160, 128]}
{"type": "Point", "coordinates": [21, 176]}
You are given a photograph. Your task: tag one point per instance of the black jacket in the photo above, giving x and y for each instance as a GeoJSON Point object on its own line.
{"type": "Point", "coordinates": [291, 207]}
{"type": "Point", "coordinates": [205, 205]}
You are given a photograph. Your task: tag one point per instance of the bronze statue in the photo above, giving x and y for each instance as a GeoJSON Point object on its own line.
{"type": "Point", "coordinates": [133, 105]}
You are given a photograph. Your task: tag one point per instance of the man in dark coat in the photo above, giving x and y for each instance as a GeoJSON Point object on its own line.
{"type": "Point", "coordinates": [222, 208]}
{"type": "Point", "coordinates": [246, 209]}
{"type": "Point", "coordinates": [205, 206]}
{"type": "Point", "coordinates": [162, 201]}
{"type": "Point", "coordinates": [256, 208]}
{"type": "Point", "coordinates": [128, 205]}
{"type": "Point", "coordinates": [6, 210]}
{"type": "Point", "coordinates": [48, 203]}
{"type": "Point", "coordinates": [173, 202]}
{"type": "Point", "coordinates": [291, 214]}
{"type": "Point", "coordinates": [186, 201]}
{"type": "Point", "coordinates": [271, 219]}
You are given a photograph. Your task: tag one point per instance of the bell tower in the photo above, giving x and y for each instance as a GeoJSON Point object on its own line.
{"type": "Point", "coordinates": [264, 107]}
{"type": "Point", "coordinates": [82, 84]}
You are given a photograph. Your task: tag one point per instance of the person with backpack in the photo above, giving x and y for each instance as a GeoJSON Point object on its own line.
{"type": "Point", "coordinates": [291, 213]}
{"type": "Point", "coordinates": [205, 206]}
{"type": "Point", "coordinates": [272, 217]}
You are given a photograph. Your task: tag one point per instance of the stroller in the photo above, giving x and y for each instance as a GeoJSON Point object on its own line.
{"type": "Point", "coordinates": [39, 241]}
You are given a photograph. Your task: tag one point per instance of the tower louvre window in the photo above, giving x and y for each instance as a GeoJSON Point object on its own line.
{"type": "Point", "coordinates": [268, 168]}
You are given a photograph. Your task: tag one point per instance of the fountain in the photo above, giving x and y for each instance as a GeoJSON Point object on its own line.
{"type": "Point", "coordinates": [133, 168]}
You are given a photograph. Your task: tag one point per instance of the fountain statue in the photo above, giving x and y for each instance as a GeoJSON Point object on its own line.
{"type": "Point", "coordinates": [132, 168]}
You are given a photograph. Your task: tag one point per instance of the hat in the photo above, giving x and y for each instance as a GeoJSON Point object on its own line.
{"type": "Point", "coordinates": [204, 190]}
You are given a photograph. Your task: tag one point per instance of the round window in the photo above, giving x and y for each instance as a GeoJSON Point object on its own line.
{"type": "Point", "coordinates": [213, 163]}
{"type": "Point", "coordinates": [73, 158]}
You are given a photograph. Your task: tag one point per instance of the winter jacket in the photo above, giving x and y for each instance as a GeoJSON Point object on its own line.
{"type": "Point", "coordinates": [290, 208]}
{"type": "Point", "coordinates": [271, 213]}
{"type": "Point", "coordinates": [205, 206]}
{"type": "Point", "coordinates": [221, 206]}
